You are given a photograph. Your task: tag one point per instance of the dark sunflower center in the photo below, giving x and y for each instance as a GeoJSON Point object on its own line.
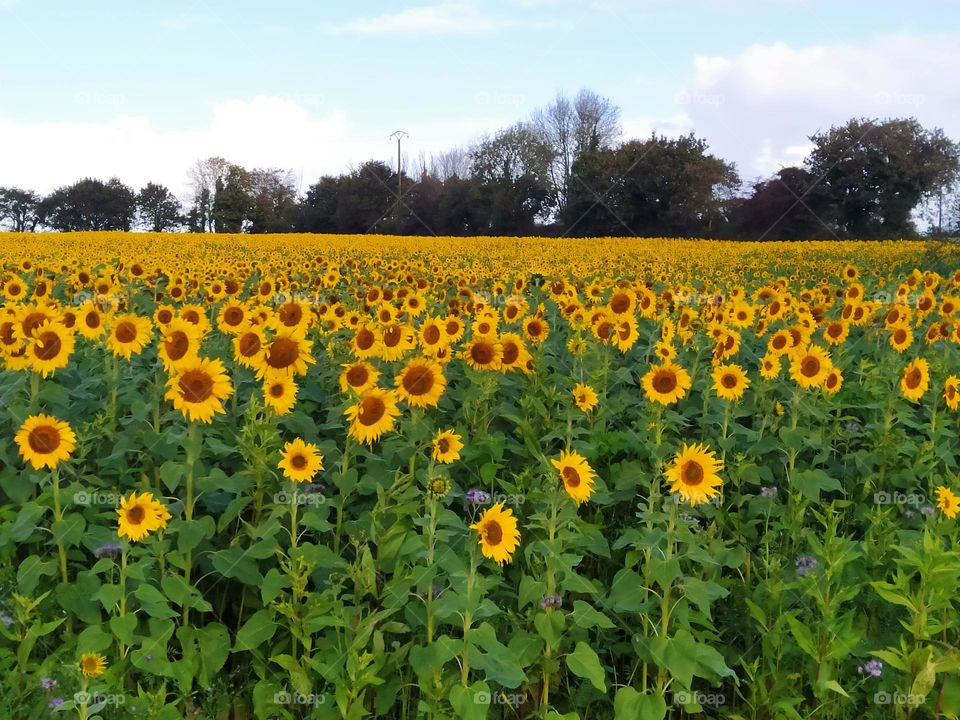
{"type": "Point", "coordinates": [372, 409]}
{"type": "Point", "coordinates": [729, 381]}
{"type": "Point", "coordinates": [249, 345]}
{"type": "Point", "coordinates": [299, 462]}
{"type": "Point", "coordinates": [482, 353]}
{"type": "Point", "coordinates": [365, 339]}
{"type": "Point", "coordinates": [692, 473]}
{"type": "Point", "coordinates": [357, 376]}
{"type": "Point", "coordinates": [233, 316]}
{"type": "Point", "coordinates": [136, 514]}
{"type": "Point", "coordinates": [392, 336]}
{"type": "Point", "coordinates": [48, 346]}
{"type": "Point", "coordinates": [44, 439]}
{"type": "Point", "coordinates": [196, 386]}
{"type": "Point", "coordinates": [291, 314]}
{"type": "Point", "coordinates": [913, 378]}
{"type": "Point", "coordinates": [571, 478]}
{"type": "Point", "coordinates": [810, 366]}
{"type": "Point", "coordinates": [418, 380]}
{"type": "Point", "coordinates": [493, 532]}
{"type": "Point", "coordinates": [276, 390]}
{"type": "Point", "coordinates": [431, 334]}
{"type": "Point", "coordinates": [443, 445]}
{"type": "Point", "coordinates": [511, 351]}
{"type": "Point", "coordinates": [177, 344]}
{"type": "Point", "coordinates": [126, 332]}
{"type": "Point", "coordinates": [665, 382]}
{"type": "Point", "coordinates": [283, 353]}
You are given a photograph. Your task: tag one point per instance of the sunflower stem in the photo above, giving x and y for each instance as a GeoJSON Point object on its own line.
{"type": "Point", "coordinates": [192, 452]}
{"type": "Point", "coordinates": [34, 392]}
{"type": "Point", "coordinates": [468, 617]}
{"type": "Point", "coordinates": [123, 589]}
{"type": "Point", "coordinates": [58, 518]}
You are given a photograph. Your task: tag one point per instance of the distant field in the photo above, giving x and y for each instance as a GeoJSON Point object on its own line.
{"type": "Point", "coordinates": [290, 476]}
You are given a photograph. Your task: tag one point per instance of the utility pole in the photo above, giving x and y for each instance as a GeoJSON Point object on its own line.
{"type": "Point", "coordinates": [399, 135]}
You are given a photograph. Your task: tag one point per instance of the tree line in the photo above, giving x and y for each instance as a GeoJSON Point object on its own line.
{"type": "Point", "coordinates": [565, 171]}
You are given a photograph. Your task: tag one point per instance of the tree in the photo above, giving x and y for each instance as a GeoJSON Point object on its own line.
{"type": "Point", "coordinates": [273, 200]}
{"type": "Point", "coordinates": [158, 209]}
{"type": "Point", "coordinates": [655, 187]}
{"type": "Point", "coordinates": [19, 208]}
{"type": "Point", "coordinates": [788, 206]}
{"type": "Point", "coordinates": [875, 173]}
{"type": "Point", "coordinates": [571, 128]}
{"type": "Point", "coordinates": [89, 205]}
{"type": "Point", "coordinates": [231, 200]}
{"type": "Point", "coordinates": [513, 170]}
{"type": "Point", "coordinates": [203, 178]}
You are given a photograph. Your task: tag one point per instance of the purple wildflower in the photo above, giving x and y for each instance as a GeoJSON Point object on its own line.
{"type": "Point", "coordinates": [550, 601]}
{"type": "Point", "coordinates": [108, 550]}
{"type": "Point", "coordinates": [806, 564]}
{"type": "Point", "coordinates": [768, 492]}
{"type": "Point", "coordinates": [477, 497]}
{"type": "Point", "coordinates": [47, 683]}
{"type": "Point", "coordinates": [55, 702]}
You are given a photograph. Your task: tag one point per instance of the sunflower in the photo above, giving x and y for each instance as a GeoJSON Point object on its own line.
{"type": "Point", "coordinates": [301, 461]}
{"type": "Point", "coordinates": [809, 366]}
{"type": "Point", "coordinates": [836, 332]}
{"type": "Point", "coordinates": [947, 502]}
{"type": "Point", "coordinates": [584, 397]}
{"type": "Point", "coordinates": [770, 366]}
{"type": "Point", "coordinates": [248, 346]}
{"type": "Point", "coordinates": [421, 383]}
{"type": "Point", "coordinates": [233, 317]}
{"type": "Point", "coordinates": [358, 376]}
{"type": "Point", "coordinates": [198, 389]}
{"type": "Point", "coordinates": [195, 315]}
{"type": "Point", "coordinates": [179, 344]}
{"type": "Point", "coordinates": [280, 394]}
{"type": "Point", "coordinates": [367, 341]}
{"type": "Point", "coordinates": [397, 340]}
{"type": "Point", "coordinates": [484, 353]}
{"type": "Point", "coordinates": [625, 333]}
{"type": "Point", "coordinates": [93, 664]}
{"type": "Point", "coordinates": [438, 487]}
{"type": "Point", "coordinates": [497, 534]}
{"type": "Point", "coordinates": [834, 381]}
{"type": "Point", "coordinates": [514, 353]}
{"type": "Point", "coordinates": [951, 392]}
{"type": "Point", "coordinates": [50, 348]}
{"type": "Point", "coordinates": [693, 474]}
{"type": "Point", "coordinates": [372, 415]}
{"type": "Point", "coordinates": [45, 441]}
{"type": "Point", "coordinates": [432, 336]}
{"type": "Point", "coordinates": [447, 446]}
{"type": "Point", "coordinates": [536, 329]}
{"type": "Point", "coordinates": [129, 334]}
{"type": "Point", "coordinates": [915, 379]}
{"type": "Point", "coordinates": [138, 516]}
{"type": "Point", "coordinates": [288, 354]}
{"type": "Point", "coordinates": [90, 321]}
{"type": "Point", "coordinates": [666, 383]}
{"type": "Point", "coordinates": [901, 338]}
{"type": "Point", "coordinates": [730, 381]}
{"type": "Point", "coordinates": [576, 474]}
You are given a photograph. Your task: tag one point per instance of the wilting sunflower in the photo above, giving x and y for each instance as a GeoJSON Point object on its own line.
{"type": "Point", "coordinates": [288, 354]}
{"type": "Point", "coordinates": [497, 532]}
{"type": "Point", "coordinates": [951, 392]}
{"type": "Point", "coordinates": [179, 344]}
{"type": "Point", "coordinates": [730, 381]}
{"type": "Point", "coordinates": [421, 382]}
{"type": "Point", "coordinates": [129, 334]}
{"type": "Point", "coordinates": [484, 353]}
{"type": "Point", "coordinates": [140, 515]}
{"type": "Point", "coordinates": [280, 394]}
{"type": "Point", "coordinates": [576, 474]}
{"type": "Point", "coordinates": [915, 380]}
{"type": "Point", "coordinates": [447, 446]}
{"type": "Point", "coordinates": [301, 461]}
{"type": "Point", "coordinates": [584, 397]}
{"type": "Point", "coordinates": [198, 389]}
{"type": "Point", "coordinates": [93, 664]}
{"type": "Point", "coordinates": [50, 348]}
{"type": "Point", "coordinates": [693, 474]}
{"type": "Point", "coordinates": [666, 383]}
{"type": "Point", "coordinates": [372, 415]}
{"type": "Point", "coordinates": [947, 502]}
{"type": "Point", "coordinates": [809, 366]}
{"type": "Point", "coordinates": [45, 441]}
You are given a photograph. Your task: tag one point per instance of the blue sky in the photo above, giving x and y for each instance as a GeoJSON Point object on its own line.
{"type": "Point", "coordinates": [140, 90]}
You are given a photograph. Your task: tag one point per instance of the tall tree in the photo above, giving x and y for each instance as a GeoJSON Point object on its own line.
{"type": "Point", "coordinates": [586, 123]}
{"type": "Point", "coordinates": [158, 209]}
{"type": "Point", "coordinates": [513, 170]}
{"type": "Point", "coordinates": [273, 200]}
{"type": "Point", "coordinates": [18, 208]}
{"type": "Point", "coordinates": [204, 177]}
{"type": "Point", "coordinates": [232, 201]}
{"type": "Point", "coordinates": [876, 172]}
{"type": "Point", "coordinates": [89, 205]}
{"type": "Point", "coordinates": [656, 187]}
{"type": "Point", "coordinates": [788, 206]}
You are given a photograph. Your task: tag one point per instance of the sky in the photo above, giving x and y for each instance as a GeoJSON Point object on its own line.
{"type": "Point", "coordinates": [142, 90]}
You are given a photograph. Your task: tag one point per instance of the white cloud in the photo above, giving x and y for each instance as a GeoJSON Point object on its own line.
{"type": "Point", "coordinates": [760, 106]}
{"type": "Point", "coordinates": [262, 132]}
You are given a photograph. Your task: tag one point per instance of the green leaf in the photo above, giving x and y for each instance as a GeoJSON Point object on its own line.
{"type": "Point", "coordinates": [190, 534]}
{"type": "Point", "coordinates": [812, 482]}
{"type": "Point", "coordinates": [584, 662]}
{"type": "Point", "coordinates": [586, 616]}
{"type": "Point", "coordinates": [629, 704]}
{"type": "Point", "coordinates": [471, 703]}
{"type": "Point", "coordinates": [123, 628]}
{"type": "Point", "coordinates": [255, 631]}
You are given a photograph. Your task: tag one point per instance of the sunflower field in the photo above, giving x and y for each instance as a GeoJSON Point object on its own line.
{"type": "Point", "coordinates": [302, 476]}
